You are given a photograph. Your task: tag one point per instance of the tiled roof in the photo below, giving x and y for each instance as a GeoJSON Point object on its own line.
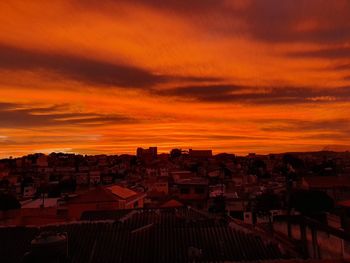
{"type": "Point", "coordinates": [37, 203]}
{"type": "Point", "coordinates": [146, 236]}
{"type": "Point", "coordinates": [121, 192]}
{"type": "Point", "coordinates": [97, 194]}
{"type": "Point", "coordinates": [96, 215]}
{"type": "Point", "coordinates": [172, 203]}
{"type": "Point", "coordinates": [140, 217]}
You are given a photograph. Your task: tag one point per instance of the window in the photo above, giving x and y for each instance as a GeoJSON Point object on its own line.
{"type": "Point", "coordinates": [136, 204]}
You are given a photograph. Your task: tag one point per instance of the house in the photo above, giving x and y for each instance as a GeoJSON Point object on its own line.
{"type": "Point", "coordinates": [238, 180]}
{"type": "Point", "coordinates": [179, 175]}
{"type": "Point", "coordinates": [104, 198]}
{"type": "Point", "coordinates": [82, 178]}
{"type": "Point", "coordinates": [39, 212]}
{"type": "Point", "coordinates": [163, 172]}
{"type": "Point", "coordinates": [214, 173]}
{"type": "Point", "coordinates": [151, 171]}
{"type": "Point", "coordinates": [217, 190]}
{"type": "Point", "coordinates": [65, 170]}
{"type": "Point", "coordinates": [94, 177]}
{"type": "Point", "coordinates": [192, 191]}
{"type": "Point", "coordinates": [160, 185]}
{"type": "Point", "coordinates": [34, 212]}
{"type": "Point", "coordinates": [127, 198]}
{"type": "Point", "coordinates": [236, 207]}
{"type": "Point", "coordinates": [29, 190]}
{"type": "Point", "coordinates": [147, 154]}
{"type": "Point", "coordinates": [157, 191]}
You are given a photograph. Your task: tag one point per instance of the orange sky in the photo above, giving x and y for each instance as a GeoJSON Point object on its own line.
{"type": "Point", "coordinates": [234, 76]}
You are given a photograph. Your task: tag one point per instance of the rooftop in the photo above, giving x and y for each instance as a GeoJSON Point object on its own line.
{"type": "Point", "coordinates": [36, 203]}
{"type": "Point", "coordinates": [121, 192]}
{"type": "Point", "coordinates": [177, 235]}
{"type": "Point", "coordinates": [193, 180]}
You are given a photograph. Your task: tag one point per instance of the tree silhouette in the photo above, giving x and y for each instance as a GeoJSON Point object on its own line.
{"type": "Point", "coordinates": [8, 202]}
{"type": "Point", "coordinates": [175, 153]}
{"type": "Point", "coordinates": [311, 202]}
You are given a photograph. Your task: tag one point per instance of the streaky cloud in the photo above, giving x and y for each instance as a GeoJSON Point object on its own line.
{"type": "Point", "coordinates": [257, 95]}
{"type": "Point", "coordinates": [342, 52]}
{"type": "Point", "coordinates": [21, 116]}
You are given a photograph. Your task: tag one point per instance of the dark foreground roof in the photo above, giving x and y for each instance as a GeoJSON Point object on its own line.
{"type": "Point", "coordinates": [135, 239]}
{"type": "Point", "coordinates": [162, 215]}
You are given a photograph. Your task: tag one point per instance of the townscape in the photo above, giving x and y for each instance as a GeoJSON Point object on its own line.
{"type": "Point", "coordinates": [175, 131]}
{"type": "Point", "coordinates": [268, 195]}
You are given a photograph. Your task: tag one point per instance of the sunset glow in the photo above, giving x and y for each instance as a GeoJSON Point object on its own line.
{"type": "Point", "coordinates": [237, 76]}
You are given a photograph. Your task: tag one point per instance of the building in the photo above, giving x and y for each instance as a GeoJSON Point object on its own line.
{"type": "Point", "coordinates": [39, 212]}
{"type": "Point", "coordinates": [200, 153]}
{"type": "Point", "coordinates": [147, 154]}
{"type": "Point", "coordinates": [193, 191]}
{"type": "Point", "coordinates": [29, 190]}
{"type": "Point", "coordinates": [127, 198]}
{"type": "Point", "coordinates": [104, 198]}
{"type": "Point", "coordinates": [94, 177]}
{"type": "Point", "coordinates": [179, 175]}
{"type": "Point", "coordinates": [82, 178]}
{"type": "Point", "coordinates": [159, 185]}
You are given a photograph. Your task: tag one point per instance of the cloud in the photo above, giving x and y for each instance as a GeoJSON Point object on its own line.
{"type": "Point", "coordinates": [339, 125]}
{"type": "Point", "coordinates": [299, 20]}
{"type": "Point", "coordinates": [46, 140]}
{"type": "Point", "coordinates": [341, 67]}
{"type": "Point", "coordinates": [20, 116]}
{"type": "Point", "coordinates": [86, 70]}
{"type": "Point", "coordinates": [202, 93]}
{"type": "Point", "coordinates": [326, 136]}
{"type": "Point", "coordinates": [269, 20]}
{"type": "Point", "coordinates": [326, 53]}
{"type": "Point", "coordinates": [262, 95]}
{"type": "Point", "coordinates": [174, 6]}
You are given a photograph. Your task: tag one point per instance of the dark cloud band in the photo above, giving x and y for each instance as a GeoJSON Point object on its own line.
{"type": "Point", "coordinates": [86, 70]}
{"type": "Point", "coordinates": [19, 116]}
{"type": "Point", "coordinates": [261, 95]}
